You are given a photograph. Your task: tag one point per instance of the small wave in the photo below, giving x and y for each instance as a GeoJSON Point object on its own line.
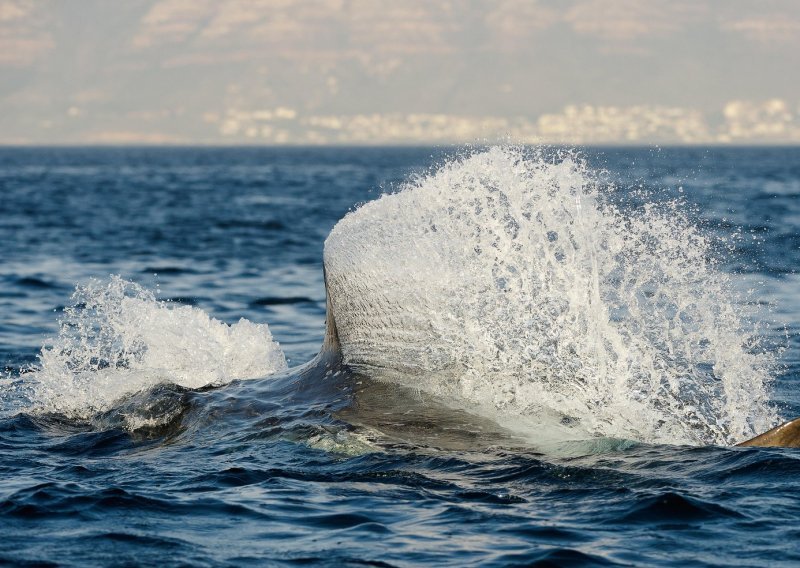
{"type": "Point", "coordinates": [280, 301]}
{"type": "Point", "coordinates": [673, 507]}
{"type": "Point", "coordinates": [555, 557]}
{"type": "Point", "coordinates": [116, 339]}
{"type": "Point", "coordinates": [169, 270]}
{"type": "Point", "coordinates": [34, 282]}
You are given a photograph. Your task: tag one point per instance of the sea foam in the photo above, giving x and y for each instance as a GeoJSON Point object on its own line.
{"type": "Point", "coordinates": [509, 282]}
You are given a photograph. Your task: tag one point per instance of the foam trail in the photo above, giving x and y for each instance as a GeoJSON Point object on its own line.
{"type": "Point", "coordinates": [117, 339]}
{"type": "Point", "coordinates": [508, 282]}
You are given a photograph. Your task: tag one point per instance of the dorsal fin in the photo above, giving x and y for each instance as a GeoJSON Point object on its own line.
{"type": "Point", "coordinates": [331, 344]}
{"type": "Point", "coordinates": [329, 357]}
{"type": "Point", "coordinates": [787, 435]}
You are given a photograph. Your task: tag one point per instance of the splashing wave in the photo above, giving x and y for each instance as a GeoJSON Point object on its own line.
{"type": "Point", "coordinates": [509, 281]}
{"type": "Point", "coordinates": [117, 339]}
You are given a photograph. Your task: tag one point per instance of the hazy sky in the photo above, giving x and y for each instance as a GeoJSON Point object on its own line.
{"type": "Point", "coordinates": [328, 71]}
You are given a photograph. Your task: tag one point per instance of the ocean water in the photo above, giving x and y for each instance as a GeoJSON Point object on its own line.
{"type": "Point", "coordinates": [546, 356]}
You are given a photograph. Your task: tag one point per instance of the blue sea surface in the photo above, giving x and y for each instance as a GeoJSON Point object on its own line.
{"type": "Point", "coordinates": [266, 472]}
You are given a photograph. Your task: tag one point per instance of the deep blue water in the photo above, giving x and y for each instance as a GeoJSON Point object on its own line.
{"type": "Point", "coordinates": [261, 472]}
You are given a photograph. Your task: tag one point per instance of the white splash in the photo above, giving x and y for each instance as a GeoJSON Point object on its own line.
{"type": "Point", "coordinates": [117, 339]}
{"type": "Point", "coordinates": [507, 281]}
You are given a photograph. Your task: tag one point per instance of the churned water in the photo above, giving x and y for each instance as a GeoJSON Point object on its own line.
{"type": "Point", "coordinates": [547, 355]}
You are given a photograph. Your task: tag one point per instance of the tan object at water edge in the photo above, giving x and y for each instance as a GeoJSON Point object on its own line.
{"type": "Point", "coordinates": [787, 435]}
